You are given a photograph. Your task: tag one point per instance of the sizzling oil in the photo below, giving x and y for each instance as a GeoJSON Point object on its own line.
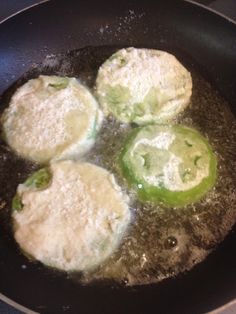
{"type": "Point", "coordinates": [161, 242]}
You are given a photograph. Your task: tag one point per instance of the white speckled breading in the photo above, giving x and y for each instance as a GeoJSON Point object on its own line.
{"type": "Point", "coordinates": [51, 117]}
{"type": "Point", "coordinates": [75, 223]}
{"type": "Point", "coordinates": [143, 85]}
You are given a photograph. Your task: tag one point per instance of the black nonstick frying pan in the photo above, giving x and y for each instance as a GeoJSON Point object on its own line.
{"type": "Point", "coordinates": [60, 26]}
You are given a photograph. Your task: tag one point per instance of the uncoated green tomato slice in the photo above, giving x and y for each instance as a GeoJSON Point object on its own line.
{"type": "Point", "coordinates": [174, 165]}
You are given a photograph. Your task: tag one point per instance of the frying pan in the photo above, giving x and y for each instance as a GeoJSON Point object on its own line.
{"type": "Point", "coordinates": [59, 26]}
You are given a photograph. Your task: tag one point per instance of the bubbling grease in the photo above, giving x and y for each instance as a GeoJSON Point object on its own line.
{"type": "Point", "coordinates": [161, 242]}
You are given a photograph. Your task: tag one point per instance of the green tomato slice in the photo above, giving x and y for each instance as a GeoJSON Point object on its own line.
{"type": "Point", "coordinates": [174, 165]}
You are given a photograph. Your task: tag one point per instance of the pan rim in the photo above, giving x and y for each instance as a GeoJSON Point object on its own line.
{"type": "Point", "coordinates": [22, 10]}
{"type": "Point", "coordinates": [229, 19]}
{"type": "Point", "coordinates": [188, 1]}
{"type": "Point", "coordinates": [224, 307]}
{"type": "Point", "coordinates": [16, 305]}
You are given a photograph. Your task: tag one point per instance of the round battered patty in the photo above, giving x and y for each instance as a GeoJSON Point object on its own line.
{"type": "Point", "coordinates": [143, 86]}
{"type": "Point", "coordinates": [76, 222]}
{"type": "Point", "coordinates": [51, 117]}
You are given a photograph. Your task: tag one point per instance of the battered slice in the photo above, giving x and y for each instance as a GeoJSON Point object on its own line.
{"type": "Point", "coordinates": [71, 216]}
{"type": "Point", "coordinates": [143, 86]}
{"type": "Point", "coordinates": [51, 117]}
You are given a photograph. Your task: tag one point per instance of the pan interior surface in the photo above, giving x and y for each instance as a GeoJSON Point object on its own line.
{"type": "Point", "coordinates": [218, 124]}
{"type": "Point", "coordinates": [162, 242]}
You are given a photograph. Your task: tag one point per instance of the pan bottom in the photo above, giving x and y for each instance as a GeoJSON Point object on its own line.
{"type": "Point", "coordinates": [161, 242]}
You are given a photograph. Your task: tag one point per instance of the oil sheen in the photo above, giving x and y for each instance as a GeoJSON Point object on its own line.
{"type": "Point", "coordinates": [161, 241]}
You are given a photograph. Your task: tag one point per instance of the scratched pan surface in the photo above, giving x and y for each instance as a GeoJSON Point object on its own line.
{"type": "Point", "coordinates": [57, 27]}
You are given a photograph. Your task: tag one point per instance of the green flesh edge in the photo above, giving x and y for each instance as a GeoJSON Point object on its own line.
{"type": "Point", "coordinates": [16, 203]}
{"type": "Point", "coordinates": [93, 132]}
{"type": "Point", "coordinates": [62, 83]}
{"type": "Point", "coordinates": [160, 193]}
{"type": "Point", "coordinates": [40, 179]}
